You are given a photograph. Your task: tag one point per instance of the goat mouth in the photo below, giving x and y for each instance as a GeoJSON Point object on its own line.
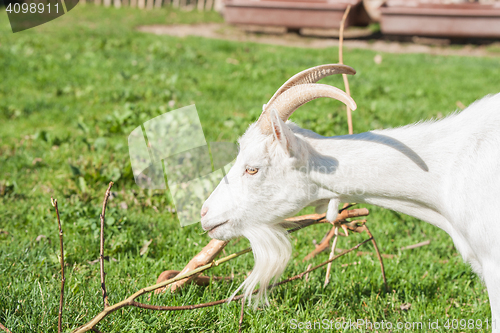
{"type": "Point", "coordinates": [216, 226]}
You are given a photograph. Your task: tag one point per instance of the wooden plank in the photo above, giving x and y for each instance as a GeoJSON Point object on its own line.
{"type": "Point", "coordinates": [290, 14]}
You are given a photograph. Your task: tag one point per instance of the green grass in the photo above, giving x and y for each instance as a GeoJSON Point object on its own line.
{"type": "Point", "coordinates": [72, 90]}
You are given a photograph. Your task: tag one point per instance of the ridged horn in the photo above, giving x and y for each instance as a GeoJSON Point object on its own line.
{"type": "Point", "coordinates": [312, 75]}
{"type": "Point", "coordinates": [291, 99]}
{"type": "Point", "coordinates": [308, 76]}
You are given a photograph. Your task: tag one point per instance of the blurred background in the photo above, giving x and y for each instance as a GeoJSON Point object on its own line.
{"type": "Point", "coordinates": [73, 89]}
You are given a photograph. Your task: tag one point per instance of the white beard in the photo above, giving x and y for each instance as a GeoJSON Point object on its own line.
{"type": "Point", "coordinates": [271, 251]}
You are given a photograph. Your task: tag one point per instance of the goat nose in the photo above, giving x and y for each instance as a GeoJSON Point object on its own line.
{"type": "Point", "coordinates": [204, 211]}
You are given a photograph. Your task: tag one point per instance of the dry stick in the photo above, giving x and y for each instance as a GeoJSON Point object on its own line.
{"type": "Point", "coordinates": [299, 276]}
{"type": "Point", "coordinates": [378, 255]}
{"type": "Point", "coordinates": [63, 279]}
{"type": "Point", "coordinates": [341, 217]}
{"type": "Point", "coordinates": [101, 252]}
{"type": "Point", "coordinates": [199, 280]}
{"type": "Point", "coordinates": [341, 61]}
{"type": "Point", "coordinates": [131, 299]}
{"type": "Point", "coordinates": [238, 297]}
{"type": "Point", "coordinates": [414, 246]}
{"type": "Point", "coordinates": [307, 275]}
{"type": "Point", "coordinates": [332, 253]}
{"type": "Point", "coordinates": [5, 328]}
{"type": "Point", "coordinates": [240, 323]}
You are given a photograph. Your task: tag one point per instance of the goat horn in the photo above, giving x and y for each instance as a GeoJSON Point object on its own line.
{"type": "Point", "coordinates": [296, 96]}
{"type": "Point", "coordinates": [312, 75]}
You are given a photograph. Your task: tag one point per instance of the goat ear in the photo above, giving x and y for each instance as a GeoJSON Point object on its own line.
{"type": "Point", "coordinates": [281, 132]}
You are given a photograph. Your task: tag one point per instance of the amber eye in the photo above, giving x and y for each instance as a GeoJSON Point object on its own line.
{"type": "Point", "coordinates": [251, 170]}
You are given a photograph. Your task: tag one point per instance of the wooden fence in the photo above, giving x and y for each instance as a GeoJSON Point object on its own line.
{"type": "Point", "coordinates": [200, 5]}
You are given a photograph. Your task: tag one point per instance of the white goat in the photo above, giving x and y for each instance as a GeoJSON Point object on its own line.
{"type": "Point", "coordinates": [445, 172]}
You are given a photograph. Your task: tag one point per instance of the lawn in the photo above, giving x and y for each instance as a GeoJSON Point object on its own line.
{"type": "Point", "coordinates": [72, 90]}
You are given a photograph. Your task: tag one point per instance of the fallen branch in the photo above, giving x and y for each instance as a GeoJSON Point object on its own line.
{"type": "Point", "coordinates": [130, 301]}
{"type": "Point", "coordinates": [341, 61]}
{"type": "Point", "coordinates": [414, 246]}
{"type": "Point", "coordinates": [296, 223]}
{"type": "Point", "coordinates": [384, 255]}
{"type": "Point", "coordinates": [378, 255]}
{"type": "Point", "coordinates": [5, 328]}
{"type": "Point", "coordinates": [343, 215]}
{"type": "Point", "coordinates": [240, 322]}
{"type": "Point", "coordinates": [206, 255]}
{"type": "Point", "coordinates": [199, 280]}
{"type": "Point", "coordinates": [101, 251]}
{"type": "Point", "coordinates": [226, 300]}
{"type": "Point", "coordinates": [63, 279]}
{"type": "Point", "coordinates": [332, 253]}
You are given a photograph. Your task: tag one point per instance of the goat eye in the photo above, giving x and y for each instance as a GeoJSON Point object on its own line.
{"type": "Point", "coordinates": [251, 170]}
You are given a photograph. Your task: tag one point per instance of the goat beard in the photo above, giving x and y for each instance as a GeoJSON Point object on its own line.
{"type": "Point", "coordinates": [271, 251]}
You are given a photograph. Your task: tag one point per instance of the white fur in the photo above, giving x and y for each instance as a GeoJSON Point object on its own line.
{"type": "Point", "coordinates": [445, 172]}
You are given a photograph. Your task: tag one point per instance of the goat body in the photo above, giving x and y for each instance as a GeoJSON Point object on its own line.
{"type": "Point", "coordinates": [445, 172]}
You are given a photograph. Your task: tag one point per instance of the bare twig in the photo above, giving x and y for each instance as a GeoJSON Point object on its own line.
{"type": "Point", "coordinates": [299, 276]}
{"type": "Point", "coordinates": [384, 255]}
{"type": "Point", "coordinates": [332, 253]}
{"type": "Point", "coordinates": [238, 297]}
{"type": "Point", "coordinates": [101, 252]}
{"type": "Point", "coordinates": [63, 279]}
{"type": "Point", "coordinates": [320, 218]}
{"type": "Point", "coordinates": [307, 275]}
{"type": "Point", "coordinates": [4, 328]}
{"type": "Point", "coordinates": [199, 280]}
{"type": "Point", "coordinates": [379, 256]}
{"type": "Point", "coordinates": [341, 61]}
{"type": "Point", "coordinates": [130, 301]}
{"type": "Point", "coordinates": [340, 218]}
{"type": "Point", "coordinates": [240, 322]}
{"type": "Point", "coordinates": [414, 246]}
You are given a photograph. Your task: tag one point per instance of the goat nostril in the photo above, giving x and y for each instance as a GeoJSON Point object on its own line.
{"type": "Point", "coordinates": [204, 211]}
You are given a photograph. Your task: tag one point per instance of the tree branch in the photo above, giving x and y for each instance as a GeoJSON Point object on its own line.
{"type": "Point", "coordinates": [206, 255]}
{"type": "Point", "coordinates": [101, 252]}
{"type": "Point", "coordinates": [4, 328]}
{"type": "Point", "coordinates": [63, 279]}
{"type": "Point", "coordinates": [340, 218]}
{"type": "Point", "coordinates": [379, 257]}
{"type": "Point", "coordinates": [131, 299]}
